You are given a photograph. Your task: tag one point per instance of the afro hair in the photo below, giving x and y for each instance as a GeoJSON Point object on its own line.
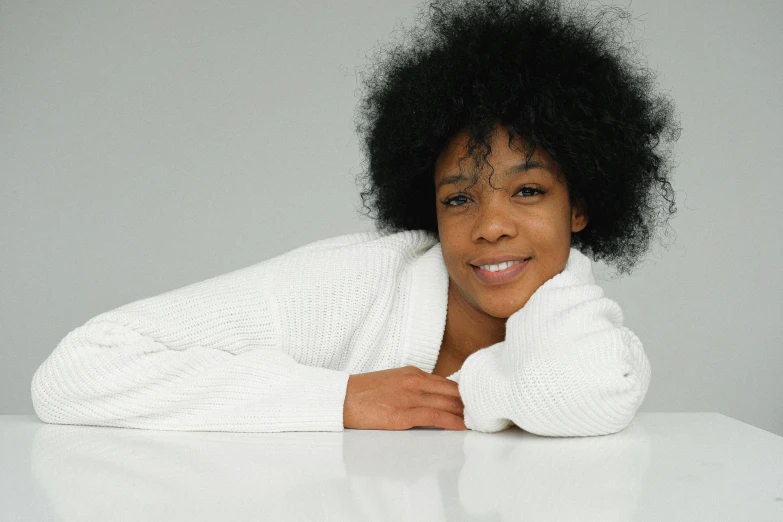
{"type": "Point", "coordinates": [560, 79]}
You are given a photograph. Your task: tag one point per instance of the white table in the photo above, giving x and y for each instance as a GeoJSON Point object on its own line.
{"type": "Point", "coordinates": [663, 467]}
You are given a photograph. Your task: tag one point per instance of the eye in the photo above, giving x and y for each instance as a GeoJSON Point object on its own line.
{"type": "Point", "coordinates": [530, 191]}
{"type": "Point", "coordinates": [448, 201]}
{"type": "Point", "coordinates": [533, 190]}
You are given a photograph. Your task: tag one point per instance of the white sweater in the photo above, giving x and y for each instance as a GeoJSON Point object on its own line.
{"type": "Point", "coordinates": [270, 347]}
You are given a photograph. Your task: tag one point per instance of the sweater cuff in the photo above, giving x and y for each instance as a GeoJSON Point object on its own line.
{"type": "Point", "coordinates": [481, 387]}
{"type": "Point", "coordinates": [312, 400]}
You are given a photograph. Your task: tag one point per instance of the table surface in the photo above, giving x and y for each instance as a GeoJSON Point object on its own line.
{"type": "Point", "coordinates": [663, 467]}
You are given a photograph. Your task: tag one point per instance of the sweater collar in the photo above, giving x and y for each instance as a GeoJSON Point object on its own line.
{"type": "Point", "coordinates": [578, 270]}
{"type": "Point", "coordinates": [428, 289]}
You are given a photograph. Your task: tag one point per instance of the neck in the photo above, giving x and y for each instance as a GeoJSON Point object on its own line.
{"type": "Point", "coordinates": [468, 329]}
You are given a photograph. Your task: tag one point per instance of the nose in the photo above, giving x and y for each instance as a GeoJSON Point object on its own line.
{"type": "Point", "coordinates": [493, 220]}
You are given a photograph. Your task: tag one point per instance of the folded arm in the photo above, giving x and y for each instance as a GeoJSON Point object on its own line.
{"type": "Point", "coordinates": [205, 357]}
{"type": "Point", "coordinates": [568, 366]}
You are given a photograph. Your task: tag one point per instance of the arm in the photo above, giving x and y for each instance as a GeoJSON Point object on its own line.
{"type": "Point", "coordinates": [568, 367]}
{"type": "Point", "coordinates": [204, 357]}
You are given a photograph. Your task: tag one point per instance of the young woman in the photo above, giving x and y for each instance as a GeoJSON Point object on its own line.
{"type": "Point", "coordinates": [506, 142]}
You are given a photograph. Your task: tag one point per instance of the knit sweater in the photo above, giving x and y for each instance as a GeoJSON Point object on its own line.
{"type": "Point", "coordinates": [270, 347]}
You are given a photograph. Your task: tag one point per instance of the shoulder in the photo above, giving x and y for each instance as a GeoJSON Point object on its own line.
{"type": "Point", "coordinates": [354, 280]}
{"type": "Point", "coordinates": [578, 271]}
{"type": "Point", "coordinates": [350, 263]}
{"type": "Point", "coordinates": [407, 243]}
{"type": "Point", "coordinates": [579, 267]}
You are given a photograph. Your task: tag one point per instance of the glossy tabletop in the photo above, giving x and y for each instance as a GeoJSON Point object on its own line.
{"type": "Point", "coordinates": [663, 467]}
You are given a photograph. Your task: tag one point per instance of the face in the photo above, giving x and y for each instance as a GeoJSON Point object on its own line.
{"type": "Point", "coordinates": [524, 214]}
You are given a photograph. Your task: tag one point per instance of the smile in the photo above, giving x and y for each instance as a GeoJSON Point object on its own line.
{"type": "Point", "coordinates": [504, 275]}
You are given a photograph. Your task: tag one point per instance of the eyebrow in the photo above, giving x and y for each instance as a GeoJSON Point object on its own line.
{"type": "Point", "coordinates": [522, 167]}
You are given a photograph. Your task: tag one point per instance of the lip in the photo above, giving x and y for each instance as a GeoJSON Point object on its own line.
{"type": "Point", "coordinates": [502, 276]}
{"type": "Point", "coordinates": [497, 259]}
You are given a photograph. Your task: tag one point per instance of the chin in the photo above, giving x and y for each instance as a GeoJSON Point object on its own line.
{"type": "Point", "coordinates": [503, 310]}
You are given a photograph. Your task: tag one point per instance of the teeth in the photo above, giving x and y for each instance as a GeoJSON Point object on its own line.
{"type": "Point", "coordinates": [501, 266]}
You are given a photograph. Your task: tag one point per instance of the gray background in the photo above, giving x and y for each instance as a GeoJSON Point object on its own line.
{"type": "Point", "coordinates": [146, 146]}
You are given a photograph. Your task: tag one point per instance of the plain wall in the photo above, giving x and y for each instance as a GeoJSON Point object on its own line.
{"type": "Point", "coordinates": [146, 146]}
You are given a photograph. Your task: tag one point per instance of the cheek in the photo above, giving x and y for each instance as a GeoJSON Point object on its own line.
{"type": "Point", "coordinates": [550, 228]}
{"type": "Point", "coordinates": [455, 258]}
{"type": "Point", "coordinates": [452, 259]}
{"type": "Point", "coordinates": [452, 238]}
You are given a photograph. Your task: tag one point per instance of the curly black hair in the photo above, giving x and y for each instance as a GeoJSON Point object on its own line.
{"type": "Point", "coordinates": [560, 79]}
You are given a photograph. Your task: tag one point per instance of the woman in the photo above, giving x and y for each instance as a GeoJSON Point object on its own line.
{"type": "Point", "coordinates": [506, 142]}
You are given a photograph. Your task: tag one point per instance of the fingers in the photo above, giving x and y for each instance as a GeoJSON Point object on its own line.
{"type": "Point", "coordinates": [437, 392]}
{"type": "Point", "coordinates": [433, 417]}
{"type": "Point", "coordinates": [437, 384]}
{"type": "Point", "coordinates": [441, 402]}
{"type": "Point", "coordinates": [434, 392]}
{"type": "Point", "coordinates": [433, 401]}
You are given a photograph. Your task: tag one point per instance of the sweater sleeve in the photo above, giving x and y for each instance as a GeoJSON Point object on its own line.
{"type": "Point", "coordinates": [568, 366]}
{"type": "Point", "coordinates": [200, 358]}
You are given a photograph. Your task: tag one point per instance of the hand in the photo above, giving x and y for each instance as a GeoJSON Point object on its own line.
{"type": "Point", "coordinates": [401, 398]}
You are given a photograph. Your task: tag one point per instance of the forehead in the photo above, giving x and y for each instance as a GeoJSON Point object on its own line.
{"type": "Point", "coordinates": [453, 162]}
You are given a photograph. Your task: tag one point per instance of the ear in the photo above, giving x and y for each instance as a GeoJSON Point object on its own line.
{"type": "Point", "coordinates": [579, 218]}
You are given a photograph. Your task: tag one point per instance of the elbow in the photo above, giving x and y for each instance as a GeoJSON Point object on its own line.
{"type": "Point", "coordinates": [60, 380]}
{"type": "Point", "coordinates": [46, 404]}
{"type": "Point", "coordinates": [624, 407]}
{"type": "Point", "coordinates": [52, 401]}
{"type": "Point", "coordinates": [619, 405]}
{"type": "Point", "coordinates": [603, 409]}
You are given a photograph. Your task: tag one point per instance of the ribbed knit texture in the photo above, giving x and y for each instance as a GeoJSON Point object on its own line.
{"type": "Point", "coordinates": [270, 347]}
{"type": "Point", "coordinates": [568, 366]}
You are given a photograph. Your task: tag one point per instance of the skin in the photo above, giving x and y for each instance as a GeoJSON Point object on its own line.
{"type": "Point", "coordinates": [508, 217]}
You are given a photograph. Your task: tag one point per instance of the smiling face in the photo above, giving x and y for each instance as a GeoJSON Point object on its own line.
{"type": "Point", "coordinates": [524, 214]}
